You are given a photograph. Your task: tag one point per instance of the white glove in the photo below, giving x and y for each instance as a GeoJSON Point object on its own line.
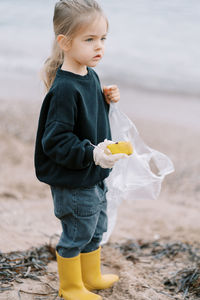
{"type": "Point", "coordinates": [103, 156]}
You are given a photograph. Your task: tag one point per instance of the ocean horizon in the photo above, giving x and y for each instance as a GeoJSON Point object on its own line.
{"type": "Point", "coordinates": [151, 45]}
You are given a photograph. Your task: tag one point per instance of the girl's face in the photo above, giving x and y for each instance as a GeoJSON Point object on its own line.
{"type": "Point", "coordinates": [87, 47]}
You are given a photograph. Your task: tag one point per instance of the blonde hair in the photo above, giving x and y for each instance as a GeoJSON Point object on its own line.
{"type": "Point", "coordinates": [69, 17]}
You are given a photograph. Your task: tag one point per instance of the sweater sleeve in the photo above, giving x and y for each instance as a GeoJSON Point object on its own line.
{"type": "Point", "coordinates": [59, 142]}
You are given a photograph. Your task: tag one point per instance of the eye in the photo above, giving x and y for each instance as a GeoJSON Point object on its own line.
{"type": "Point", "coordinates": [89, 40]}
{"type": "Point", "coordinates": [103, 38]}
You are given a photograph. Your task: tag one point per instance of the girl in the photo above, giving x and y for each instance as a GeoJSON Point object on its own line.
{"type": "Point", "coordinates": [74, 118]}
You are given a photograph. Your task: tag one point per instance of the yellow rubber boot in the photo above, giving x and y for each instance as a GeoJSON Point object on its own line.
{"type": "Point", "coordinates": [71, 284]}
{"type": "Point", "coordinates": [91, 272]}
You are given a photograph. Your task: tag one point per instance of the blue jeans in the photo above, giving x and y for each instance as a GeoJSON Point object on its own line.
{"type": "Point", "coordinates": [83, 217]}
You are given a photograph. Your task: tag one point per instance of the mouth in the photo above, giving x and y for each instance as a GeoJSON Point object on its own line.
{"type": "Point", "coordinates": [98, 56]}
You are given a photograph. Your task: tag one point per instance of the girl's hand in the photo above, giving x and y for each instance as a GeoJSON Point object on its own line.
{"type": "Point", "coordinates": [111, 93]}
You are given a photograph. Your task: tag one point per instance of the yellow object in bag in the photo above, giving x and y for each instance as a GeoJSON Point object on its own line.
{"type": "Point", "coordinates": [121, 147]}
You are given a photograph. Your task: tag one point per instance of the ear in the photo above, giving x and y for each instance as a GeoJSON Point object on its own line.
{"type": "Point", "coordinates": [63, 42]}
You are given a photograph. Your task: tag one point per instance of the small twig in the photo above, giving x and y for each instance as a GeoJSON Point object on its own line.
{"type": "Point", "coordinates": [166, 294]}
{"type": "Point", "coordinates": [187, 289]}
{"type": "Point", "coordinates": [38, 294]}
{"type": "Point", "coordinates": [18, 293]}
{"type": "Point", "coordinates": [46, 283]}
{"type": "Point", "coordinates": [28, 271]}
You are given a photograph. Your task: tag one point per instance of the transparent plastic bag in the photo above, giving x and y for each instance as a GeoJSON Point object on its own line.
{"type": "Point", "coordinates": [137, 177]}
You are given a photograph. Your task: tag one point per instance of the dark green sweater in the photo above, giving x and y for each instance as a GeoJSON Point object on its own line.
{"type": "Point", "coordinates": [73, 114]}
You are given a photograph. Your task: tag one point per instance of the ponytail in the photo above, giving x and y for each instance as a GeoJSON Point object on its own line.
{"type": "Point", "coordinates": [51, 65]}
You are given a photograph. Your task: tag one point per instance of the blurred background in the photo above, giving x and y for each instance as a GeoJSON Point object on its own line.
{"type": "Point", "coordinates": [151, 45]}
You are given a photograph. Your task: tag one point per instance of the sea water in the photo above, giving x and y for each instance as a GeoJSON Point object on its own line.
{"type": "Point", "coordinates": [151, 44]}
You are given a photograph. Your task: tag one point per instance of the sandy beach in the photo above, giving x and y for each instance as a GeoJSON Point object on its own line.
{"type": "Point", "coordinates": [166, 122]}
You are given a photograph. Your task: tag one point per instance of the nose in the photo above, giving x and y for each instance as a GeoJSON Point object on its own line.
{"type": "Point", "coordinates": [98, 45]}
